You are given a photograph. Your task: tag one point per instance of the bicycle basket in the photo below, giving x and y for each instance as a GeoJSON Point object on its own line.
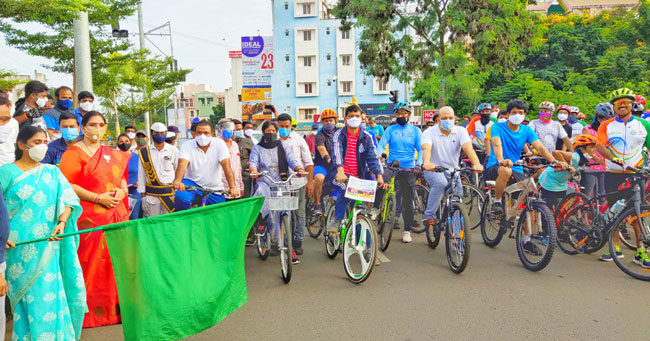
{"type": "Point", "coordinates": [283, 198]}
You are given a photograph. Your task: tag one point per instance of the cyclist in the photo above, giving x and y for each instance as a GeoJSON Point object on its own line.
{"type": "Point", "coordinates": [403, 141]}
{"type": "Point", "coordinates": [501, 118]}
{"type": "Point", "coordinates": [478, 127]}
{"type": "Point", "coordinates": [323, 159]}
{"type": "Point", "coordinates": [563, 112]}
{"type": "Point", "coordinates": [621, 140]}
{"type": "Point", "coordinates": [594, 176]}
{"type": "Point", "coordinates": [581, 119]}
{"type": "Point", "coordinates": [548, 131]}
{"type": "Point", "coordinates": [441, 146]}
{"type": "Point", "coordinates": [354, 155]}
{"type": "Point", "coordinates": [375, 128]}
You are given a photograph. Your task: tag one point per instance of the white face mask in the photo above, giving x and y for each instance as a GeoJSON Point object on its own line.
{"type": "Point", "coordinates": [41, 101]}
{"type": "Point", "coordinates": [354, 122]}
{"type": "Point", "coordinates": [587, 156]}
{"type": "Point", "coordinates": [37, 153]}
{"type": "Point", "coordinates": [248, 132]}
{"type": "Point", "coordinates": [87, 106]}
{"type": "Point", "coordinates": [516, 119]}
{"type": "Point", "coordinates": [502, 119]}
{"type": "Point", "coordinates": [130, 135]}
{"type": "Point", "coordinates": [203, 140]}
{"type": "Point", "coordinates": [562, 117]}
{"type": "Point", "coordinates": [494, 114]}
{"type": "Point", "coordinates": [6, 130]}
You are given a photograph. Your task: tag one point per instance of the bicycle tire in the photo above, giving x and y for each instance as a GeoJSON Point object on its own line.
{"type": "Point", "coordinates": [575, 217]}
{"type": "Point", "coordinates": [314, 227]}
{"type": "Point", "coordinates": [457, 239]}
{"type": "Point", "coordinates": [434, 231]}
{"type": "Point", "coordinates": [487, 219]}
{"type": "Point", "coordinates": [420, 196]}
{"type": "Point", "coordinates": [263, 242]}
{"type": "Point", "coordinates": [332, 242]}
{"type": "Point", "coordinates": [386, 226]}
{"type": "Point", "coordinates": [548, 230]}
{"type": "Point", "coordinates": [626, 264]}
{"type": "Point", "coordinates": [473, 199]}
{"type": "Point", "coordinates": [371, 239]}
{"type": "Point", "coordinates": [285, 250]}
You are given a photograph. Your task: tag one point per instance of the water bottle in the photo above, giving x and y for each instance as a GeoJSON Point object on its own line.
{"type": "Point", "coordinates": [614, 210]}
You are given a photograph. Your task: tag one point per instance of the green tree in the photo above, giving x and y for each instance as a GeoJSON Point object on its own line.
{"type": "Point", "coordinates": [7, 80]}
{"type": "Point", "coordinates": [219, 112]}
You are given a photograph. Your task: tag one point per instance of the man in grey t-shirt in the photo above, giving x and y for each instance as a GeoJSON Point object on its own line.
{"type": "Point", "coordinates": [549, 131]}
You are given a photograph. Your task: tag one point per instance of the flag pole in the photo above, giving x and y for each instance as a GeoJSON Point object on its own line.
{"type": "Point", "coordinates": [62, 235]}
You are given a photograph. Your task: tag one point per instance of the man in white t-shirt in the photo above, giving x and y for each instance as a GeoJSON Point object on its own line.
{"type": "Point", "coordinates": [8, 133]}
{"type": "Point", "coordinates": [441, 146]}
{"type": "Point", "coordinates": [550, 133]}
{"type": "Point", "coordinates": [202, 162]}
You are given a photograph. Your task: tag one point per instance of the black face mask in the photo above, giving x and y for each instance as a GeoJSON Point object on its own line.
{"type": "Point", "coordinates": [402, 121]}
{"type": "Point", "coordinates": [270, 137]}
{"type": "Point", "coordinates": [485, 119]}
{"type": "Point", "coordinates": [124, 146]}
{"type": "Point", "coordinates": [328, 128]}
{"type": "Point", "coordinates": [169, 140]}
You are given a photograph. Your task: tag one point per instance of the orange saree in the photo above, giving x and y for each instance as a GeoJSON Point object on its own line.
{"type": "Point", "coordinates": [100, 173]}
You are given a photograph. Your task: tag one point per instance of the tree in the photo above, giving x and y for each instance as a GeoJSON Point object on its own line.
{"type": "Point", "coordinates": [219, 112]}
{"type": "Point", "coordinates": [7, 80]}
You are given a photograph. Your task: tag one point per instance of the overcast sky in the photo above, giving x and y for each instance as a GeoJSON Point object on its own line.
{"type": "Point", "coordinates": [203, 31]}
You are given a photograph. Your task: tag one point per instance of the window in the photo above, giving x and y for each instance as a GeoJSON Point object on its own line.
{"type": "Point", "coordinates": [382, 85]}
{"type": "Point", "coordinates": [345, 60]}
{"type": "Point", "coordinates": [306, 114]}
{"type": "Point", "coordinates": [307, 61]}
{"type": "Point", "coordinates": [306, 35]}
{"type": "Point", "coordinates": [306, 9]}
{"type": "Point", "coordinates": [345, 34]}
{"type": "Point", "coordinates": [309, 88]}
{"type": "Point", "coordinates": [347, 87]}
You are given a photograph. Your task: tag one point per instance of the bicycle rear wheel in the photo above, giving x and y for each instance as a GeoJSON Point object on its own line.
{"type": "Point", "coordinates": [576, 218]}
{"type": "Point", "coordinates": [536, 236]}
{"type": "Point", "coordinates": [629, 263]}
{"type": "Point", "coordinates": [434, 230]}
{"type": "Point", "coordinates": [457, 239]}
{"type": "Point", "coordinates": [285, 248]}
{"type": "Point", "coordinates": [359, 257]}
{"type": "Point", "coordinates": [332, 240]}
{"type": "Point", "coordinates": [420, 196]}
{"type": "Point", "coordinates": [314, 227]}
{"type": "Point", "coordinates": [473, 199]}
{"type": "Point", "coordinates": [386, 227]}
{"type": "Point", "coordinates": [262, 238]}
{"type": "Point", "coordinates": [493, 226]}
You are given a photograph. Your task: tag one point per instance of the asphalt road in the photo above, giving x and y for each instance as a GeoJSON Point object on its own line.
{"type": "Point", "coordinates": [416, 297]}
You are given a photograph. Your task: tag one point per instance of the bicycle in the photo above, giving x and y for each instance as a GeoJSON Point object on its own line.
{"type": "Point", "coordinates": [473, 194]}
{"type": "Point", "coordinates": [451, 218]}
{"type": "Point", "coordinates": [591, 234]}
{"type": "Point", "coordinates": [358, 244]}
{"type": "Point", "coordinates": [387, 209]}
{"type": "Point", "coordinates": [314, 221]}
{"type": "Point", "coordinates": [202, 201]}
{"type": "Point", "coordinates": [524, 207]}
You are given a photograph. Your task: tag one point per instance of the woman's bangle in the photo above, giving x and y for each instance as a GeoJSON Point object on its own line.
{"type": "Point", "coordinates": [96, 199]}
{"type": "Point", "coordinates": [62, 221]}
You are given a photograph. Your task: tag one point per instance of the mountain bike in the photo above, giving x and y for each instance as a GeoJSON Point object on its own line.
{"type": "Point", "coordinates": [314, 221]}
{"type": "Point", "coordinates": [524, 208]}
{"type": "Point", "coordinates": [386, 214]}
{"type": "Point", "coordinates": [357, 239]}
{"type": "Point", "coordinates": [452, 219]}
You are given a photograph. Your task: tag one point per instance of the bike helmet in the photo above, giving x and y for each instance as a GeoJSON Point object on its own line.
{"type": "Point", "coordinates": [574, 110]}
{"type": "Point", "coordinates": [402, 106]}
{"type": "Point", "coordinates": [604, 110]}
{"type": "Point", "coordinates": [583, 140]}
{"type": "Point", "coordinates": [621, 93]}
{"type": "Point", "coordinates": [564, 107]}
{"type": "Point", "coordinates": [640, 99]}
{"type": "Point", "coordinates": [482, 106]}
{"type": "Point", "coordinates": [547, 105]}
{"type": "Point", "coordinates": [637, 108]}
{"type": "Point", "coordinates": [328, 113]}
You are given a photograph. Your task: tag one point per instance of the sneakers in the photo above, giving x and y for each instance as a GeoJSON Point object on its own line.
{"type": "Point", "coordinates": [374, 213]}
{"type": "Point", "coordinates": [275, 250]}
{"type": "Point", "coordinates": [294, 258]}
{"type": "Point", "coordinates": [318, 210]}
{"type": "Point", "coordinates": [642, 258]}
{"type": "Point", "coordinates": [406, 237]}
{"type": "Point", "coordinates": [333, 226]}
{"type": "Point", "coordinates": [532, 249]}
{"type": "Point", "coordinates": [607, 257]}
{"type": "Point", "coordinates": [299, 250]}
{"type": "Point", "coordinates": [497, 207]}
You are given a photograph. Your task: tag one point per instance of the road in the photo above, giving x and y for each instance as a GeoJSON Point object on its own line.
{"type": "Point", "coordinates": [416, 297]}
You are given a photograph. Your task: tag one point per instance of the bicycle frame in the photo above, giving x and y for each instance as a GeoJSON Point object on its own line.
{"type": "Point", "coordinates": [390, 191]}
{"type": "Point", "coordinates": [352, 220]}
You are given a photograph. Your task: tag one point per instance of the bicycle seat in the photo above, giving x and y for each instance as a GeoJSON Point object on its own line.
{"type": "Point", "coordinates": [491, 183]}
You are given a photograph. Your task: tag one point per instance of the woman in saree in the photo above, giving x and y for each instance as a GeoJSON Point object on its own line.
{"type": "Point", "coordinates": [98, 175]}
{"type": "Point", "coordinates": [46, 286]}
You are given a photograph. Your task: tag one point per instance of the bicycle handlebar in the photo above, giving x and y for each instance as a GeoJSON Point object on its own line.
{"type": "Point", "coordinates": [267, 175]}
{"type": "Point", "coordinates": [206, 191]}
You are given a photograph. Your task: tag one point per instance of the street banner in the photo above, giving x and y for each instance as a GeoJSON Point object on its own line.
{"type": "Point", "coordinates": [254, 101]}
{"type": "Point", "coordinates": [257, 61]}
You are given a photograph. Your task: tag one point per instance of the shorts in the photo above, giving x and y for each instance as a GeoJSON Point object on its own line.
{"type": "Point", "coordinates": [492, 173]}
{"type": "Point", "coordinates": [320, 170]}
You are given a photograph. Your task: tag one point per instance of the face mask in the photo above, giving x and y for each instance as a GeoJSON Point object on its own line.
{"type": "Point", "coordinates": [159, 138]}
{"type": "Point", "coordinates": [545, 117]}
{"type": "Point", "coordinates": [446, 124]}
{"type": "Point", "coordinates": [270, 137]}
{"type": "Point", "coordinates": [203, 140]}
{"type": "Point", "coordinates": [37, 153]}
{"type": "Point", "coordinates": [140, 141]}
{"type": "Point", "coordinates": [363, 125]}
{"type": "Point", "coordinates": [248, 132]}
{"type": "Point", "coordinates": [494, 114]}
{"type": "Point", "coordinates": [130, 135]}
{"type": "Point", "coordinates": [64, 104]}
{"type": "Point", "coordinates": [572, 118]}
{"type": "Point", "coordinates": [485, 119]}
{"type": "Point", "coordinates": [5, 130]}
{"type": "Point", "coordinates": [284, 132]}
{"type": "Point", "coordinates": [516, 119]}
{"type": "Point", "coordinates": [226, 134]}
{"type": "Point", "coordinates": [328, 128]}
{"type": "Point", "coordinates": [354, 122]}
{"type": "Point", "coordinates": [586, 155]}
{"type": "Point", "coordinates": [170, 140]}
{"type": "Point", "coordinates": [502, 119]}
{"type": "Point", "coordinates": [124, 146]}
{"type": "Point", "coordinates": [41, 102]}
{"type": "Point", "coordinates": [402, 121]}
{"type": "Point", "coordinates": [562, 117]}
{"type": "Point", "coordinates": [69, 134]}
{"type": "Point", "coordinates": [87, 106]}
{"type": "Point", "coordinates": [95, 134]}
{"type": "Point", "coordinates": [239, 134]}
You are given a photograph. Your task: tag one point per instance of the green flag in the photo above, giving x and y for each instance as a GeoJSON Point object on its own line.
{"type": "Point", "coordinates": [181, 273]}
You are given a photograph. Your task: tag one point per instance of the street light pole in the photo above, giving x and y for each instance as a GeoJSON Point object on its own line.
{"type": "Point", "coordinates": [171, 49]}
{"type": "Point", "coordinates": [82, 67]}
{"type": "Point", "coordinates": [147, 123]}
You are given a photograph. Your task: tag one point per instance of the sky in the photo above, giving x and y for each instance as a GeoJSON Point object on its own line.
{"type": "Point", "coordinates": [203, 31]}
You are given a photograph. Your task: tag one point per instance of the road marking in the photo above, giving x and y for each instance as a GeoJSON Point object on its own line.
{"type": "Point", "coordinates": [382, 257]}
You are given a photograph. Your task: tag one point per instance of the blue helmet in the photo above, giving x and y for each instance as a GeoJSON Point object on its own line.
{"type": "Point", "coordinates": [482, 106]}
{"type": "Point", "coordinates": [402, 105]}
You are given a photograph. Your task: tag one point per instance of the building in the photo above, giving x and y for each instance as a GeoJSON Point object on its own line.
{"type": "Point", "coordinates": [316, 65]}
{"type": "Point", "coordinates": [194, 100]}
{"type": "Point", "coordinates": [232, 95]}
{"type": "Point", "coordinates": [221, 97]}
{"type": "Point", "coordinates": [203, 103]}
{"type": "Point", "coordinates": [585, 7]}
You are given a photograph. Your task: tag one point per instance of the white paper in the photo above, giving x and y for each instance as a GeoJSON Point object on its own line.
{"type": "Point", "coordinates": [359, 189]}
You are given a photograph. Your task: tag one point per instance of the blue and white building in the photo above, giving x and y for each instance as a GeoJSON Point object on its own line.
{"type": "Point", "coordinates": [315, 59]}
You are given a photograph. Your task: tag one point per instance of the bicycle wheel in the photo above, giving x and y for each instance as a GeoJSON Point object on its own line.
{"type": "Point", "coordinates": [473, 199]}
{"type": "Point", "coordinates": [420, 196]}
{"type": "Point", "coordinates": [314, 227]}
{"type": "Point", "coordinates": [359, 254]}
{"type": "Point", "coordinates": [493, 226]}
{"type": "Point", "coordinates": [285, 248]}
{"type": "Point", "coordinates": [536, 249]}
{"type": "Point", "coordinates": [434, 230]}
{"type": "Point", "coordinates": [386, 227]}
{"type": "Point", "coordinates": [457, 239]}
{"type": "Point", "coordinates": [262, 238]}
{"type": "Point", "coordinates": [332, 241]}
{"type": "Point", "coordinates": [576, 219]}
{"type": "Point", "coordinates": [629, 263]}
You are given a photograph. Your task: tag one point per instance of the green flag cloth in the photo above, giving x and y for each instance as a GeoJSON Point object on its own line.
{"type": "Point", "coordinates": [181, 273]}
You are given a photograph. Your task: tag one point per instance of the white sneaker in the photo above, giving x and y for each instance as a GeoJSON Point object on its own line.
{"type": "Point", "coordinates": [333, 226]}
{"type": "Point", "coordinates": [406, 237]}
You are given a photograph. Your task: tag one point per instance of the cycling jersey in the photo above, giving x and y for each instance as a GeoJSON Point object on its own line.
{"type": "Point", "coordinates": [402, 143]}
{"type": "Point", "coordinates": [625, 140]}
{"type": "Point", "coordinates": [478, 131]}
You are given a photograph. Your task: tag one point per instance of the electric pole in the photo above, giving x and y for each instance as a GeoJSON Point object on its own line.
{"type": "Point", "coordinates": [82, 68]}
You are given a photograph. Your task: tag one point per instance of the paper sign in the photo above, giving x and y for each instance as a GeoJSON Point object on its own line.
{"type": "Point", "coordinates": [359, 189]}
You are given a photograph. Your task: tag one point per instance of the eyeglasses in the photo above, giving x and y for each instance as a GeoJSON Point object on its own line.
{"type": "Point", "coordinates": [622, 103]}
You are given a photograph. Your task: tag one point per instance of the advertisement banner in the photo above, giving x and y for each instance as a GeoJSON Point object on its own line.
{"type": "Point", "coordinates": [381, 112]}
{"type": "Point", "coordinates": [254, 101]}
{"type": "Point", "coordinates": [428, 115]}
{"type": "Point", "coordinates": [257, 61]}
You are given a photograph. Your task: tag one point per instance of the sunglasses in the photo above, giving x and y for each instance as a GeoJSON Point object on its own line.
{"type": "Point", "coordinates": [622, 103]}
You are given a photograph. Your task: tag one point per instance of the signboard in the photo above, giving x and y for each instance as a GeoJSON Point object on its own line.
{"type": "Point", "coordinates": [381, 112]}
{"type": "Point", "coordinates": [253, 102]}
{"type": "Point", "coordinates": [428, 115]}
{"type": "Point", "coordinates": [257, 61]}
{"type": "Point", "coordinates": [234, 54]}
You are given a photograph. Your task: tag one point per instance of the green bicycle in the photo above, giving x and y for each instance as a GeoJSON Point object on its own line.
{"type": "Point", "coordinates": [387, 210]}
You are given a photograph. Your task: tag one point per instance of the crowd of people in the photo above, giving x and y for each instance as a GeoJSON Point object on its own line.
{"type": "Point", "coordinates": [58, 175]}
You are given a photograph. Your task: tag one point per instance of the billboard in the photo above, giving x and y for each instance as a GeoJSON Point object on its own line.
{"type": "Point", "coordinates": [253, 101]}
{"type": "Point", "coordinates": [257, 61]}
{"type": "Point", "coordinates": [381, 112]}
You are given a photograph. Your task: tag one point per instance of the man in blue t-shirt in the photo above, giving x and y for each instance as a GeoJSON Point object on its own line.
{"type": "Point", "coordinates": [507, 142]}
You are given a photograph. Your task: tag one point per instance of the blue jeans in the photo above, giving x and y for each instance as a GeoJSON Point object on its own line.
{"type": "Point", "coordinates": [301, 218]}
{"type": "Point", "coordinates": [183, 200]}
{"type": "Point", "coordinates": [437, 184]}
{"type": "Point", "coordinates": [135, 212]}
{"type": "Point", "coordinates": [341, 205]}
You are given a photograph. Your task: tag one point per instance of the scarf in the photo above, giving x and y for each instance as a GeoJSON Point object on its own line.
{"type": "Point", "coordinates": [283, 165]}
